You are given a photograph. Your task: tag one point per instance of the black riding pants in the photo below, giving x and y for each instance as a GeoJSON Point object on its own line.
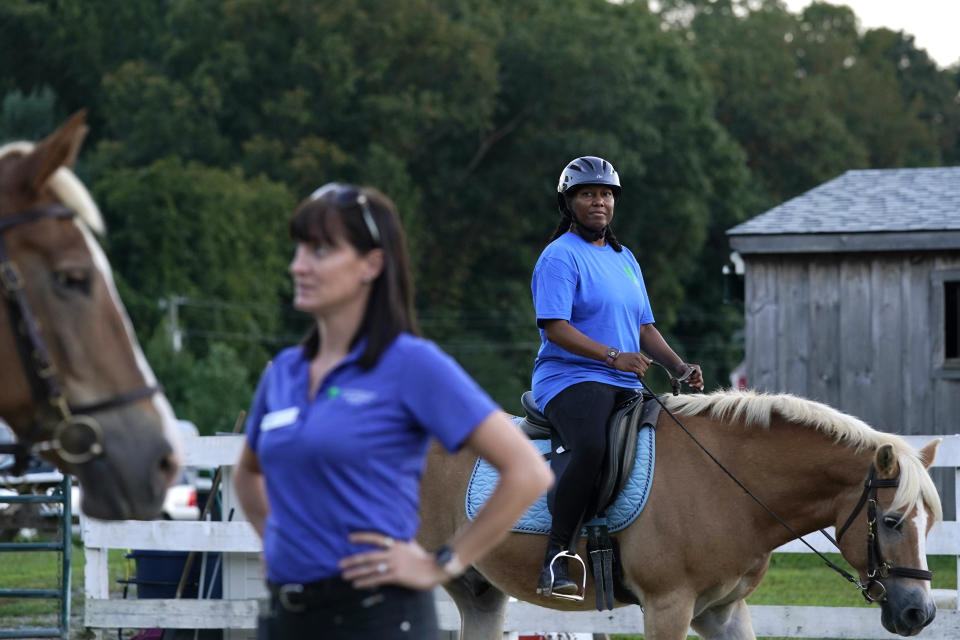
{"type": "Point", "coordinates": [579, 413]}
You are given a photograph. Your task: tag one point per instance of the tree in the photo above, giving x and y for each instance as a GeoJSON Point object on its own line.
{"type": "Point", "coordinates": [202, 234]}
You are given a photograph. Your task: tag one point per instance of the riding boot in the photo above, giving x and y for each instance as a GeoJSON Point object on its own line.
{"type": "Point", "coordinates": [561, 576]}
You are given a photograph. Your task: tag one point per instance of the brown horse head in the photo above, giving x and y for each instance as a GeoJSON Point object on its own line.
{"type": "Point", "coordinates": [75, 386]}
{"type": "Point", "coordinates": [884, 535]}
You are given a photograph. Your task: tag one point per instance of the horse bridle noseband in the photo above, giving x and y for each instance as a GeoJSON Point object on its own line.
{"type": "Point", "coordinates": [40, 372]}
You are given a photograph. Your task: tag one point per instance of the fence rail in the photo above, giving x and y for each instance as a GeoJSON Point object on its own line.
{"type": "Point", "coordinates": [238, 611]}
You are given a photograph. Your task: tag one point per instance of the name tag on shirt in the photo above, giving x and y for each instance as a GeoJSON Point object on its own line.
{"type": "Point", "coordinates": [277, 419]}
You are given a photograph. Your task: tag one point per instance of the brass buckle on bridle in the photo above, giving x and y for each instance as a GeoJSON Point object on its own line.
{"type": "Point", "coordinates": [56, 444]}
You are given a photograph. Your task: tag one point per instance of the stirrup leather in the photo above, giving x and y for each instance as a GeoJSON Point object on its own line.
{"type": "Point", "coordinates": [564, 553]}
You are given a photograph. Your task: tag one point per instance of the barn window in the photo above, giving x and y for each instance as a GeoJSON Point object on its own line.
{"type": "Point", "coordinates": [945, 322]}
{"type": "Point", "coordinates": [951, 321]}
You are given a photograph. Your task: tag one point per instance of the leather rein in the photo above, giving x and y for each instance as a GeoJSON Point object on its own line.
{"type": "Point", "coordinates": [68, 421]}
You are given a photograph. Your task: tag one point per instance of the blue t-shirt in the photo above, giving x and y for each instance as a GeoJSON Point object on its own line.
{"type": "Point", "coordinates": [601, 293]}
{"type": "Point", "coordinates": [351, 459]}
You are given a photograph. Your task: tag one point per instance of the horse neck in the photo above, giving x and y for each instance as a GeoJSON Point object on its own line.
{"type": "Point", "coordinates": [806, 478]}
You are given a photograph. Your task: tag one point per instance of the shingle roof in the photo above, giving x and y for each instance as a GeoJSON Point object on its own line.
{"type": "Point", "coordinates": [868, 200]}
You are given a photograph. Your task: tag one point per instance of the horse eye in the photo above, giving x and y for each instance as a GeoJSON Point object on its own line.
{"type": "Point", "coordinates": [75, 280]}
{"type": "Point", "coordinates": [893, 522]}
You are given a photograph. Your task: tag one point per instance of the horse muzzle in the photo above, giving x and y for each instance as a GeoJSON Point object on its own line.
{"type": "Point", "coordinates": [907, 610]}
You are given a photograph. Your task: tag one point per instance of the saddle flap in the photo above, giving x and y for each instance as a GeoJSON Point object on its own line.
{"type": "Point", "coordinates": [621, 451]}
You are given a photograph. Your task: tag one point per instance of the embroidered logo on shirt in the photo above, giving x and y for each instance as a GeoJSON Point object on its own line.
{"type": "Point", "coordinates": [358, 396]}
{"type": "Point", "coordinates": [333, 392]}
{"type": "Point", "coordinates": [630, 274]}
{"type": "Point", "coordinates": [277, 419]}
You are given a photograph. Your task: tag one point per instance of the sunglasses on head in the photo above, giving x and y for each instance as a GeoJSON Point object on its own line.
{"type": "Point", "coordinates": [345, 196]}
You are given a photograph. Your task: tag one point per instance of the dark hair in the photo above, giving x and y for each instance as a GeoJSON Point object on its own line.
{"type": "Point", "coordinates": [367, 220]}
{"type": "Point", "coordinates": [566, 220]}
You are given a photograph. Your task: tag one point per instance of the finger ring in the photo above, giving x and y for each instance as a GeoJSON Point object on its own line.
{"type": "Point", "coordinates": [387, 542]}
{"type": "Point", "coordinates": [381, 567]}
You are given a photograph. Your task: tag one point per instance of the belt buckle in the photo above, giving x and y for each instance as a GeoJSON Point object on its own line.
{"type": "Point", "coordinates": [284, 593]}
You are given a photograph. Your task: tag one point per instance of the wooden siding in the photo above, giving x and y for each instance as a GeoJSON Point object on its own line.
{"type": "Point", "coordinates": [853, 331]}
{"type": "Point", "coordinates": [860, 332]}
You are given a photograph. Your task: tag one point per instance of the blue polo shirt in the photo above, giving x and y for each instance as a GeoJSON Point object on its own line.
{"type": "Point", "coordinates": [602, 294]}
{"type": "Point", "coordinates": [351, 458]}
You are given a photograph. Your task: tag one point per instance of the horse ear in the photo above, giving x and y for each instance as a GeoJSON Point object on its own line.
{"type": "Point", "coordinates": [886, 462]}
{"type": "Point", "coordinates": [929, 452]}
{"type": "Point", "coordinates": [59, 149]}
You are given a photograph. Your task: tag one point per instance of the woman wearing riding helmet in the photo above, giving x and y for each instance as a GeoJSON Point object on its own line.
{"type": "Point", "coordinates": [594, 318]}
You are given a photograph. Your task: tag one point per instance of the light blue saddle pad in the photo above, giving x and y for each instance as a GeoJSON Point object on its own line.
{"type": "Point", "coordinates": [621, 513]}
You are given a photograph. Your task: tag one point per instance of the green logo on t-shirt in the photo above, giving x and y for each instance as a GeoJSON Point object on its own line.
{"type": "Point", "coordinates": [333, 392]}
{"type": "Point", "coordinates": [630, 274]}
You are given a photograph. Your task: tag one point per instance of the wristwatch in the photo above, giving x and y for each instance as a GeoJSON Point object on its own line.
{"type": "Point", "coordinates": [612, 354]}
{"type": "Point", "coordinates": [448, 561]}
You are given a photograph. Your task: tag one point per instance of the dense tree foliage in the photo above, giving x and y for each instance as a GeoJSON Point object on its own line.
{"type": "Point", "coordinates": [212, 118]}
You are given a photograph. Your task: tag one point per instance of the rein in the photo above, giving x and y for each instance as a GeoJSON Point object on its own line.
{"type": "Point", "coordinates": [877, 568]}
{"type": "Point", "coordinates": [72, 422]}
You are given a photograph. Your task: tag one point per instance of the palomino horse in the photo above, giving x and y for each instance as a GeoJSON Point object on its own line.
{"type": "Point", "coordinates": [701, 544]}
{"type": "Point", "coordinates": [74, 386]}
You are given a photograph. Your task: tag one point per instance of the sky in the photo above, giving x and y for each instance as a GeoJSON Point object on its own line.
{"type": "Point", "coordinates": [934, 24]}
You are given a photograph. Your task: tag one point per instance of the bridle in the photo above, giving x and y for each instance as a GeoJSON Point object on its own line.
{"type": "Point", "coordinates": [877, 567]}
{"type": "Point", "coordinates": [68, 421]}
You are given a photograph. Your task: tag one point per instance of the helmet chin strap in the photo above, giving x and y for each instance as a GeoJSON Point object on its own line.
{"type": "Point", "coordinates": [588, 234]}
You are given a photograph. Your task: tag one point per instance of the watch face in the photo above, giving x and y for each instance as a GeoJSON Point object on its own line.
{"type": "Point", "coordinates": [443, 555]}
{"type": "Point", "coordinates": [613, 353]}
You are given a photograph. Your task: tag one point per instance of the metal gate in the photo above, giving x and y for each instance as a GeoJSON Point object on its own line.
{"type": "Point", "coordinates": [61, 495]}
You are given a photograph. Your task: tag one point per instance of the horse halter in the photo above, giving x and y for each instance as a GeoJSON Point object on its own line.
{"type": "Point", "coordinates": [877, 567]}
{"type": "Point", "coordinates": [72, 422]}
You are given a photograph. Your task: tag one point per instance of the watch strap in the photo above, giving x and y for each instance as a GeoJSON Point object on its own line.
{"type": "Point", "coordinates": [448, 561]}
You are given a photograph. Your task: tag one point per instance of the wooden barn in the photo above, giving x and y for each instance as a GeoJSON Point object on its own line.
{"type": "Point", "coordinates": [852, 298]}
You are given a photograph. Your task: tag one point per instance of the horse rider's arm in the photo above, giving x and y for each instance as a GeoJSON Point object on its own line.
{"type": "Point", "coordinates": [568, 337]}
{"type": "Point", "coordinates": [251, 489]}
{"type": "Point", "coordinates": [651, 341]}
{"type": "Point", "coordinates": [524, 477]}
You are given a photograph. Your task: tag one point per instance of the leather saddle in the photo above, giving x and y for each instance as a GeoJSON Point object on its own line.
{"type": "Point", "coordinates": [622, 429]}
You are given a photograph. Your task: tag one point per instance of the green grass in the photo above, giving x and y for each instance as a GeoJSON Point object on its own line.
{"type": "Point", "coordinates": [42, 570]}
{"type": "Point", "coordinates": [802, 579]}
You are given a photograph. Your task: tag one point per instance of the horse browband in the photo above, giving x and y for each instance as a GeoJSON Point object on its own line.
{"type": "Point", "coordinates": [36, 362]}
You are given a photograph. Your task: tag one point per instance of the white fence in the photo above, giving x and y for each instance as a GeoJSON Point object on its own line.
{"type": "Point", "coordinates": [236, 611]}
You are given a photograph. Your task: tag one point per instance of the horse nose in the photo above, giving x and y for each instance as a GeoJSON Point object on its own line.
{"type": "Point", "coordinates": [917, 618]}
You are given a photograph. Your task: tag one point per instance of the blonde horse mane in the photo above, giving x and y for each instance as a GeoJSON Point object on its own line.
{"type": "Point", "coordinates": [757, 409]}
{"type": "Point", "coordinates": [67, 186]}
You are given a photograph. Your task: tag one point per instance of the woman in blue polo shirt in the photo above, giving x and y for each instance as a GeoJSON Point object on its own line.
{"type": "Point", "coordinates": [594, 319]}
{"type": "Point", "coordinates": [337, 437]}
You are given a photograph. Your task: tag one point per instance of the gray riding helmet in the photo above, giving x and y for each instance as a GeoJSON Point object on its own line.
{"type": "Point", "coordinates": [587, 170]}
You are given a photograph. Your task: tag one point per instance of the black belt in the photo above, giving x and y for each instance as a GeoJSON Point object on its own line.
{"type": "Point", "coordinates": [299, 597]}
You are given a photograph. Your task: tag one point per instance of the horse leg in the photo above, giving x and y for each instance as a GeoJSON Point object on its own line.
{"type": "Point", "coordinates": [730, 622]}
{"type": "Point", "coordinates": [483, 607]}
{"type": "Point", "coordinates": [667, 618]}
